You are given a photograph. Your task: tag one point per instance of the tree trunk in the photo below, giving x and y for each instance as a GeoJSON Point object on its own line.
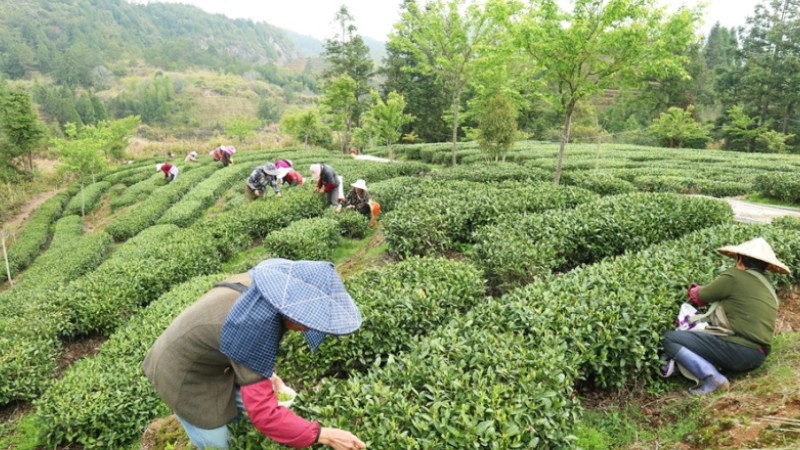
{"type": "Point", "coordinates": [456, 104]}
{"type": "Point", "coordinates": [787, 114]}
{"type": "Point", "coordinates": [30, 160]}
{"type": "Point", "coordinates": [83, 203]}
{"type": "Point", "coordinates": [389, 146]}
{"type": "Point", "coordinates": [564, 139]}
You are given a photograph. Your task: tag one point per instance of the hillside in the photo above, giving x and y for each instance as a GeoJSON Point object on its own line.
{"type": "Point", "coordinates": [74, 41]}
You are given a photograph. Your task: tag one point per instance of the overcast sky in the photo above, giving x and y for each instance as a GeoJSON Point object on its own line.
{"type": "Point", "coordinates": [374, 18]}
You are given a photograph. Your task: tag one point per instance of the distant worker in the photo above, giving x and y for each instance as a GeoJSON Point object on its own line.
{"type": "Point", "coordinates": [328, 183]}
{"type": "Point", "coordinates": [170, 155]}
{"type": "Point", "coordinates": [170, 171]}
{"type": "Point", "coordinates": [259, 179]}
{"type": "Point", "coordinates": [191, 157]}
{"type": "Point", "coordinates": [290, 177]}
{"type": "Point", "coordinates": [358, 198]}
{"type": "Point", "coordinates": [224, 154]}
{"type": "Point", "coordinates": [284, 164]}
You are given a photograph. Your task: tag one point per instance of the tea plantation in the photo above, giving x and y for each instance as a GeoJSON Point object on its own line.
{"type": "Point", "coordinates": [499, 300]}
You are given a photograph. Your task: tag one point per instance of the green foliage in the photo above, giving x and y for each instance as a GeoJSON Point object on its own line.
{"type": "Point", "coordinates": [312, 239]}
{"type": "Point", "coordinates": [387, 118]}
{"type": "Point", "coordinates": [774, 142]}
{"type": "Point", "coordinates": [81, 153]}
{"type": "Point", "coordinates": [241, 128]}
{"type": "Point", "coordinates": [34, 235]}
{"type": "Point", "coordinates": [340, 102]}
{"type": "Point", "coordinates": [306, 126]}
{"type": "Point", "coordinates": [352, 224]}
{"type": "Point", "coordinates": [741, 132]}
{"type": "Point", "coordinates": [520, 248]}
{"type": "Point", "coordinates": [20, 126]}
{"type": "Point", "coordinates": [498, 126]}
{"type": "Point", "coordinates": [780, 186]}
{"type": "Point", "coordinates": [88, 199]}
{"type": "Point", "coordinates": [677, 128]}
{"type": "Point", "coordinates": [443, 215]}
{"type": "Point", "coordinates": [399, 303]}
{"type": "Point", "coordinates": [123, 401]}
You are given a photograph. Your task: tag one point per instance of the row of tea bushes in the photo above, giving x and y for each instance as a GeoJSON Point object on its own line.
{"type": "Point", "coordinates": [602, 183]}
{"type": "Point", "coordinates": [139, 271]}
{"type": "Point", "coordinates": [492, 173]}
{"type": "Point", "coordinates": [150, 210]}
{"type": "Point", "coordinates": [138, 192]}
{"type": "Point", "coordinates": [613, 313]}
{"type": "Point", "coordinates": [398, 303]}
{"type": "Point", "coordinates": [691, 185]}
{"type": "Point", "coordinates": [29, 323]}
{"type": "Point", "coordinates": [503, 375]}
{"type": "Point", "coordinates": [192, 206]}
{"type": "Point", "coordinates": [34, 235]}
{"type": "Point", "coordinates": [443, 215]}
{"type": "Point", "coordinates": [781, 186]}
{"type": "Point", "coordinates": [520, 248]}
{"type": "Point", "coordinates": [105, 401]}
{"type": "Point", "coordinates": [87, 199]}
{"type": "Point", "coordinates": [312, 239]}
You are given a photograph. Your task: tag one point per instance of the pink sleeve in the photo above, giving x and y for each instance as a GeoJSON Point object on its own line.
{"type": "Point", "coordinates": [276, 422]}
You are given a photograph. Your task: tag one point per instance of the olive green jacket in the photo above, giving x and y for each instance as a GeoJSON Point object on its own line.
{"type": "Point", "coordinates": [186, 367]}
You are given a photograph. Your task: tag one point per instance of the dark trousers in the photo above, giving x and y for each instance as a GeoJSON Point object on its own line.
{"type": "Point", "coordinates": [728, 356]}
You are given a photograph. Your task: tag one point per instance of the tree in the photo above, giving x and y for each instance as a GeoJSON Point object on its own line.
{"type": "Point", "coordinates": [497, 127]}
{"type": "Point", "coordinates": [306, 126]}
{"type": "Point", "coordinates": [741, 130]}
{"type": "Point", "coordinates": [425, 94]}
{"type": "Point", "coordinates": [387, 117]}
{"type": "Point", "coordinates": [270, 110]}
{"type": "Point", "coordinates": [81, 154]}
{"type": "Point", "coordinates": [20, 125]}
{"type": "Point", "coordinates": [348, 55]}
{"type": "Point", "coordinates": [340, 101]}
{"type": "Point", "coordinates": [448, 40]}
{"type": "Point", "coordinates": [771, 84]}
{"type": "Point", "coordinates": [600, 45]}
{"type": "Point", "coordinates": [241, 128]}
{"type": "Point", "coordinates": [676, 128]}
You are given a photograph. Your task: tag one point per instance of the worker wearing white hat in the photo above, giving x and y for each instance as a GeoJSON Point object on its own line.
{"type": "Point", "coordinates": [745, 310]}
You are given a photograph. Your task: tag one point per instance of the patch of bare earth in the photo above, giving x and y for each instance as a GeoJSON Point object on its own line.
{"type": "Point", "coordinates": [77, 349]}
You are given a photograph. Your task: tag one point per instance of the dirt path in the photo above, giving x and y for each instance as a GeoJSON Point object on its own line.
{"type": "Point", "coordinates": [25, 211]}
{"type": "Point", "coordinates": [759, 213]}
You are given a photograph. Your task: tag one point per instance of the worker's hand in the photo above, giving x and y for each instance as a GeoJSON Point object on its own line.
{"type": "Point", "coordinates": [277, 194]}
{"type": "Point", "coordinates": [350, 207]}
{"type": "Point", "coordinates": [277, 383]}
{"type": "Point", "coordinates": [339, 208]}
{"type": "Point", "coordinates": [257, 193]}
{"type": "Point", "coordinates": [316, 190]}
{"type": "Point", "coordinates": [694, 296]}
{"type": "Point", "coordinates": [340, 439]}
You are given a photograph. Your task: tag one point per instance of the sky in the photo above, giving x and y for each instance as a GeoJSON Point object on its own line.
{"type": "Point", "coordinates": [374, 18]}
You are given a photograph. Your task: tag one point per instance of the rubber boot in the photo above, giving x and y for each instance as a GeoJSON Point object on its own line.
{"type": "Point", "coordinates": [710, 378]}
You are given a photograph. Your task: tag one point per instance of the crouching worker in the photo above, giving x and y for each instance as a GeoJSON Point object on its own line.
{"type": "Point", "coordinates": [217, 358]}
{"type": "Point", "coordinates": [358, 198]}
{"type": "Point", "coordinates": [743, 308]}
{"type": "Point", "coordinates": [170, 171]}
{"type": "Point", "coordinates": [259, 179]}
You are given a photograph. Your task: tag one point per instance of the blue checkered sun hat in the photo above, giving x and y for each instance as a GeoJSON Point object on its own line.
{"type": "Point", "coordinates": [309, 293]}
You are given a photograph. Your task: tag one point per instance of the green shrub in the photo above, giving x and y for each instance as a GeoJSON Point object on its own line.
{"type": "Point", "coordinates": [782, 186]}
{"type": "Point", "coordinates": [351, 224]}
{"type": "Point", "coordinates": [34, 235]}
{"type": "Point", "coordinates": [522, 248]}
{"type": "Point", "coordinates": [398, 304]}
{"type": "Point", "coordinates": [91, 196]}
{"type": "Point", "coordinates": [312, 239]}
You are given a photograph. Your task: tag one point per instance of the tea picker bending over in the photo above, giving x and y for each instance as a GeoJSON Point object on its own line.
{"type": "Point", "coordinates": [217, 358]}
{"type": "Point", "coordinates": [745, 309]}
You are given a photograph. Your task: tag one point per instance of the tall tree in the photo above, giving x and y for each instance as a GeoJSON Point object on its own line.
{"type": "Point", "coordinates": [20, 125]}
{"type": "Point", "coordinates": [448, 39]}
{"type": "Point", "coordinates": [348, 55]}
{"type": "Point", "coordinates": [425, 94]}
{"type": "Point", "coordinates": [340, 102]}
{"type": "Point", "coordinates": [772, 50]}
{"type": "Point", "coordinates": [388, 117]}
{"type": "Point", "coordinates": [81, 154]}
{"type": "Point", "coordinates": [602, 44]}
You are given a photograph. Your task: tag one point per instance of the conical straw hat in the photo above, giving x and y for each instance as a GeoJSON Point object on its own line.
{"type": "Point", "coordinates": [757, 248]}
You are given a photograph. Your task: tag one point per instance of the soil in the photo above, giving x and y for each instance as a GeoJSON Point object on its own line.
{"type": "Point", "coordinates": [76, 349]}
{"type": "Point", "coordinates": [25, 211]}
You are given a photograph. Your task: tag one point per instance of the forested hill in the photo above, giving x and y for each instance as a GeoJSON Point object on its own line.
{"type": "Point", "coordinates": [69, 39]}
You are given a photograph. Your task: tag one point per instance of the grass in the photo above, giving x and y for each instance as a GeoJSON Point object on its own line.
{"type": "Point", "coordinates": [758, 198]}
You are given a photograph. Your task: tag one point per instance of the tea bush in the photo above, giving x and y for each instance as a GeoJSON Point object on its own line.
{"type": "Point", "coordinates": [398, 304]}
{"type": "Point", "coordinates": [91, 196]}
{"type": "Point", "coordinates": [352, 224]}
{"type": "Point", "coordinates": [26, 247]}
{"type": "Point", "coordinates": [445, 214]}
{"type": "Point", "coordinates": [780, 186]}
{"type": "Point", "coordinates": [521, 248]}
{"type": "Point", "coordinates": [312, 239]}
